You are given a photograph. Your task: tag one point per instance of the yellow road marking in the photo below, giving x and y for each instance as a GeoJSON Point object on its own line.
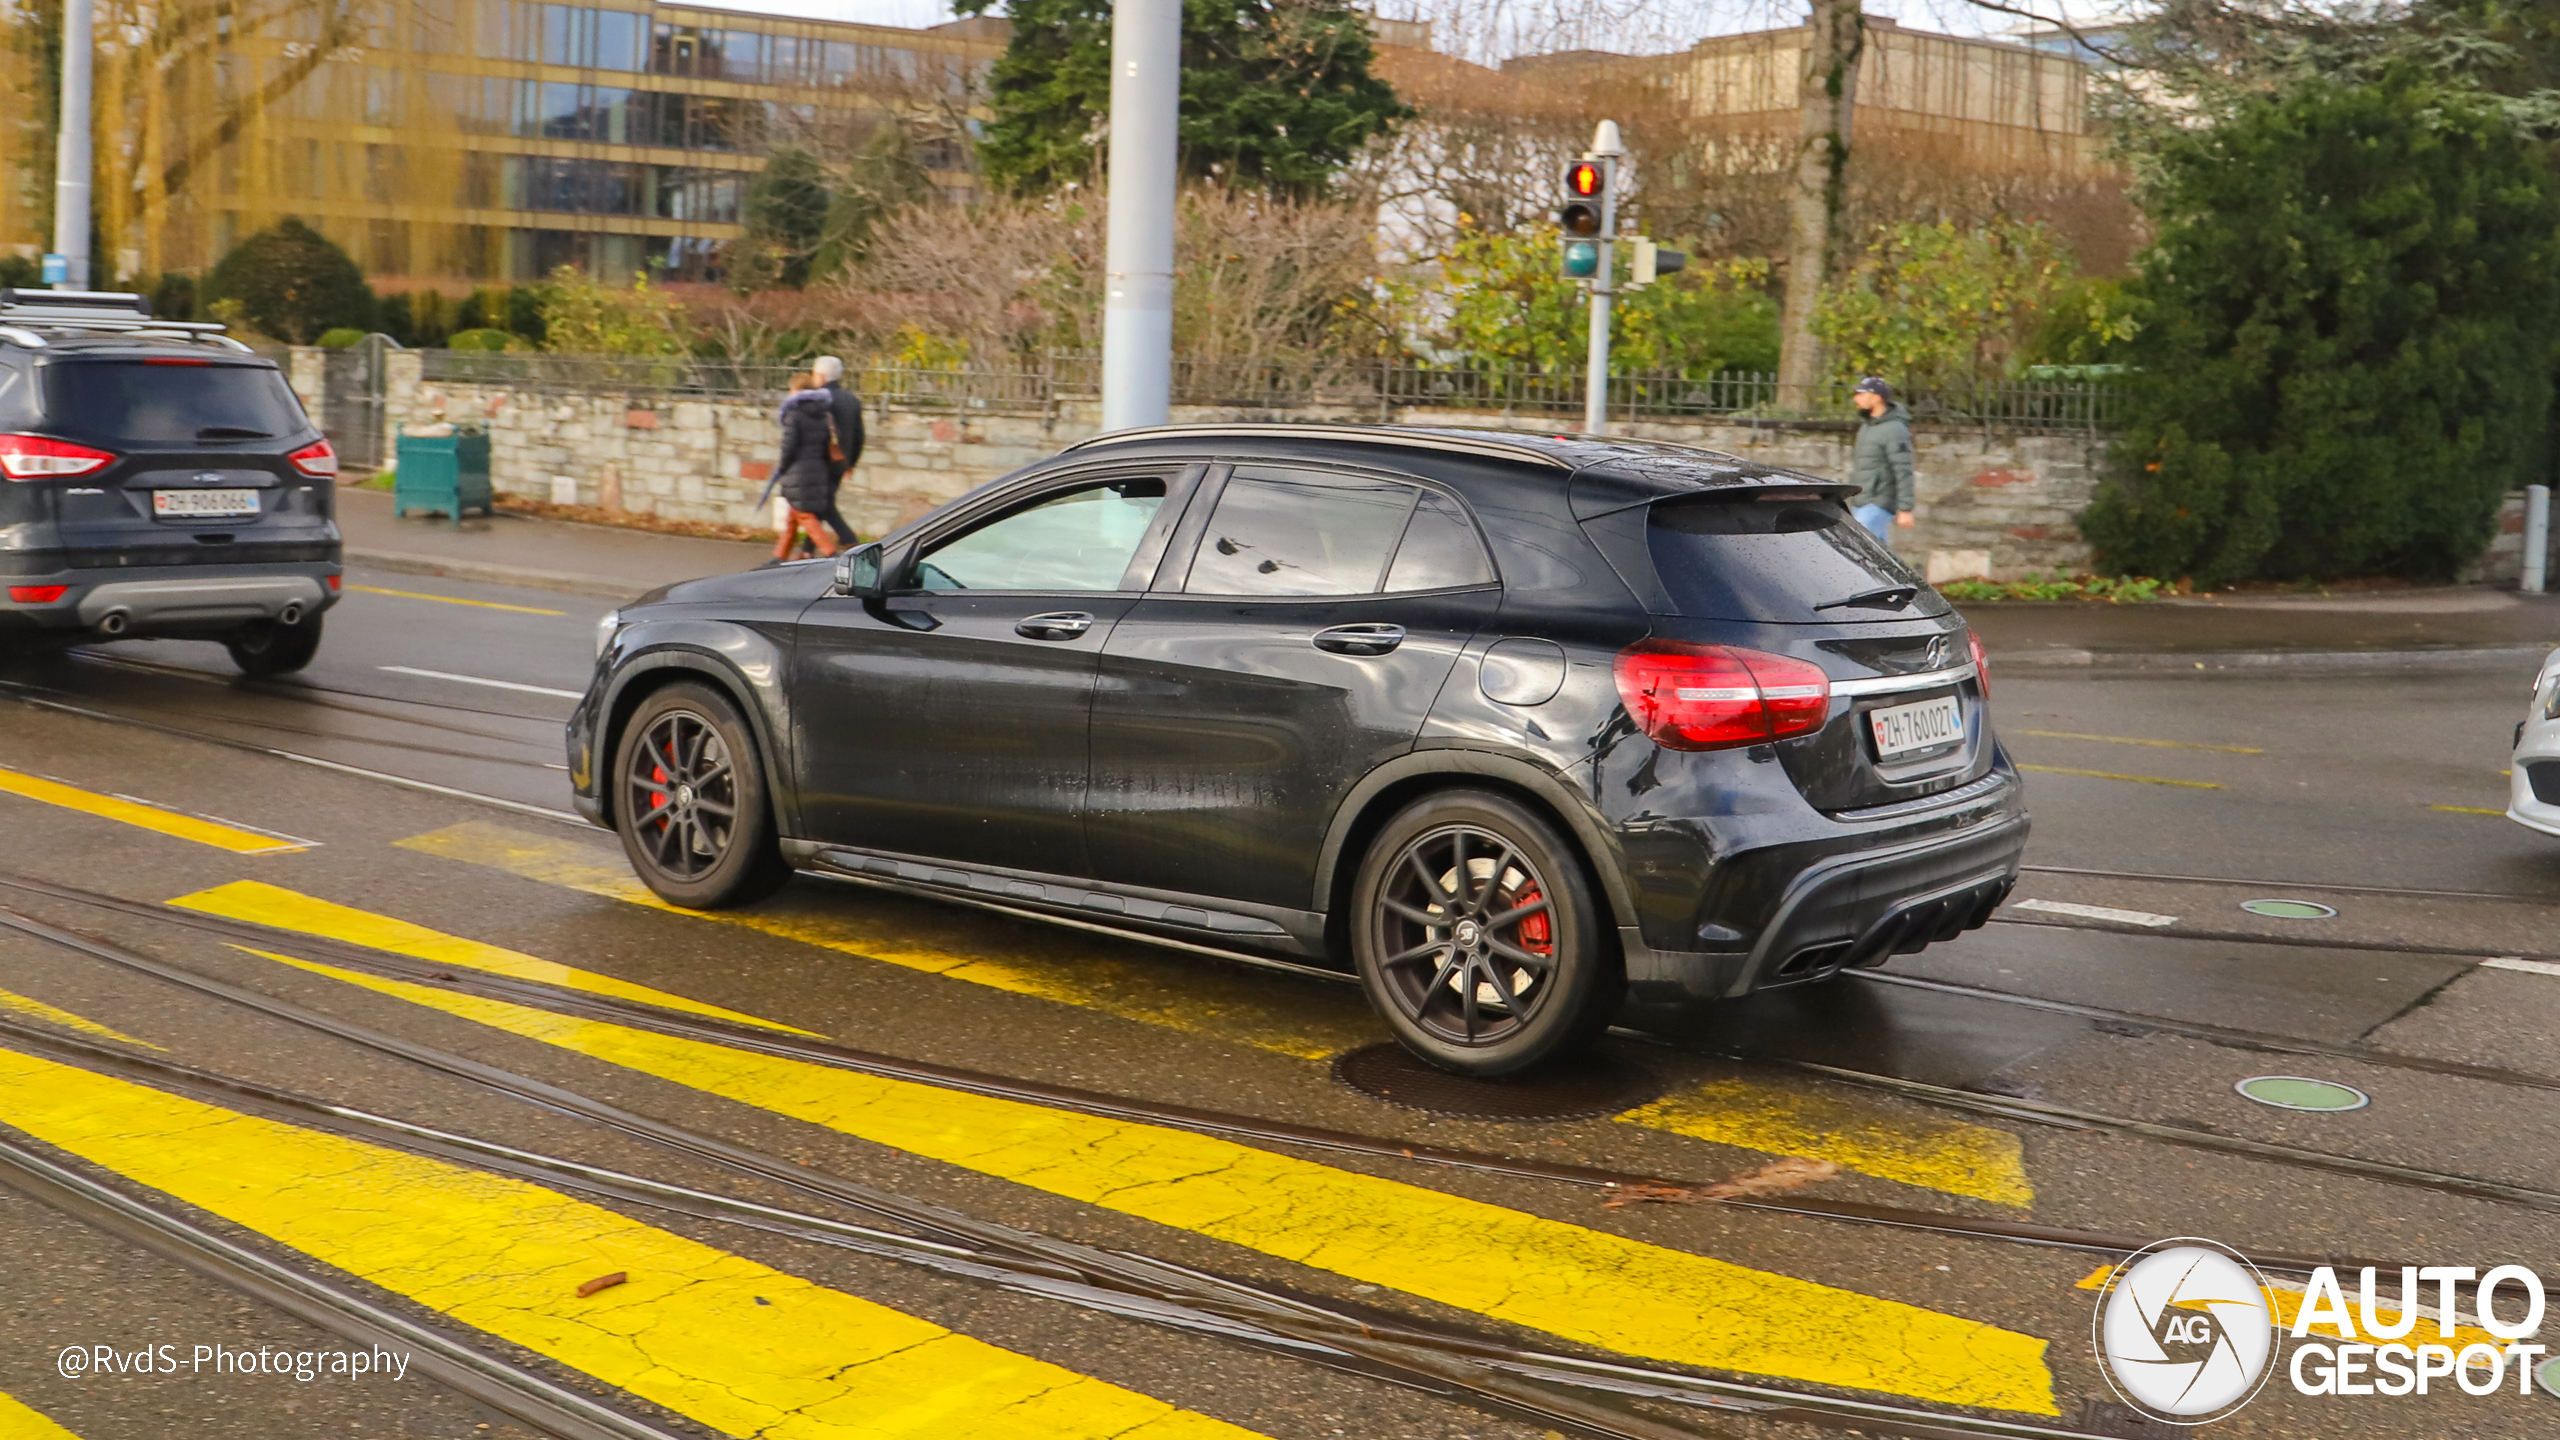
{"type": "Point", "coordinates": [2466, 810]}
{"type": "Point", "coordinates": [454, 600]}
{"type": "Point", "coordinates": [147, 817]}
{"type": "Point", "coordinates": [2111, 775]}
{"type": "Point", "coordinates": [1584, 1285]}
{"type": "Point", "coordinates": [288, 910]}
{"type": "Point", "coordinates": [1946, 1155]}
{"type": "Point", "coordinates": [35, 1009]}
{"type": "Point", "coordinates": [738, 1346]}
{"type": "Point", "coordinates": [19, 1422]}
{"type": "Point", "coordinates": [2138, 740]}
{"type": "Point", "coordinates": [2286, 1304]}
{"type": "Point", "coordinates": [1206, 1000]}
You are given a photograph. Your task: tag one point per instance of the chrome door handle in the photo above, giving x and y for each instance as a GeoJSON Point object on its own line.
{"type": "Point", "coordinates": [1059, 625]}
{"type": "Point", "coordinates": [1360, 639]}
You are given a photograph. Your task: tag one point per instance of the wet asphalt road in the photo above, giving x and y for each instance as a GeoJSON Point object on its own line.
{"type": "Point", "coordinates": [2367, 784]}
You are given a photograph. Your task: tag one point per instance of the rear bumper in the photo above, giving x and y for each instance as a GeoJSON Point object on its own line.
{"type": "Point", "coordinates": [210, 601]}
{"type": "Point", "coordinates": [1842, 911]}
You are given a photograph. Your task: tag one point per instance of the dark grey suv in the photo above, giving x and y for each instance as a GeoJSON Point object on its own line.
{"type": "Point", "coordinates": [1532, 732]}
{"type": "Point", "coordinates": [157, 479]}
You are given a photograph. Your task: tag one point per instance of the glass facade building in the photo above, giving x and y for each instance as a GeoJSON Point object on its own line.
{"type": "Point", "coordinates": [449, 141]}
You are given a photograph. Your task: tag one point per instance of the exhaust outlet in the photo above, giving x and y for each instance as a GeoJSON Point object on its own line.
{"type": "Point", "coordinates": [291, 614]}
{"type": "Point", "coordinates": [114, 623]}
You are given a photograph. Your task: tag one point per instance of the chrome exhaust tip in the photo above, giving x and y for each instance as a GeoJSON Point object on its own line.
{"type": "Point", "coordinates": [291, 614]}
{"type": "Point", "coordinates": [114, 623]}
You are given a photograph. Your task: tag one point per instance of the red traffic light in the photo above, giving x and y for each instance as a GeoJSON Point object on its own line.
{"type": "Point", "coordinates": [1586, 178]}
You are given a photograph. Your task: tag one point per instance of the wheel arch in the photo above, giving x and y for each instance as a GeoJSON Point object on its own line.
{"type": "Point", "coordinates": [1399, 782]}
{"type": "Point", "coordinates": [671, 663]}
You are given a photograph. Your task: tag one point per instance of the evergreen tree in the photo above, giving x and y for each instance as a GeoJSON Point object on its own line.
{"type": "Point", "coordinates": [2348, 327]}
{"type": "Point", "coordinates": [291, 282]}
{"type": "Point", "coordinates": [786, 214]}
{"type": "Point", "coordinates": [1274, 92]}
{"type": "Point", "coordinates": [885, 175]}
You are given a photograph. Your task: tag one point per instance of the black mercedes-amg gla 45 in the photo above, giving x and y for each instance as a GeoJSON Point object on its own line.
{"type": "Point", "coordinates": [1533, 733]}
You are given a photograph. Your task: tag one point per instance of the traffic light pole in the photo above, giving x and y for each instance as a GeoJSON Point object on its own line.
{"type": "Point", "coordinates": [1137, 308]}
{"type": "Point", "coordinates": [1595, 388]}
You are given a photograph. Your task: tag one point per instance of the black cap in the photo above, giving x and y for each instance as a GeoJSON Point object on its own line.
{"type": "Point", "coordinates": [1874, 385]}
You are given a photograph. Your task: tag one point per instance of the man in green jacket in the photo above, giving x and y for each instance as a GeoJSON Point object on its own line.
{"type": "Point", "coordinates": [1880, 465]}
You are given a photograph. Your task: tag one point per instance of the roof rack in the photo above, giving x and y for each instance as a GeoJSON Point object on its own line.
{"type": "Point", "coordinates": [23, 312]}
{"type": "Point", "coordinates": [1483, 442]}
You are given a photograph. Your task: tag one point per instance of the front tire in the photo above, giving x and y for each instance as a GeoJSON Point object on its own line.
{"type": "Point", "coordinates": [1478, 937]}
{"type": "Point", "coordinates": [690, 802]}
{"type": "Point", "coordinates": [266, 649]}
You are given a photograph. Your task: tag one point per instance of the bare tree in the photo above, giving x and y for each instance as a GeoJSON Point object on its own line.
{"type": "Point", "coordinates": [1828, 92]}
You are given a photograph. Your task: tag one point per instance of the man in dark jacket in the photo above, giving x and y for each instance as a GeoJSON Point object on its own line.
{"type": "Point", "coordinates": [847, 410]}
{"type": "Point", "coordinates": [1881, 463]}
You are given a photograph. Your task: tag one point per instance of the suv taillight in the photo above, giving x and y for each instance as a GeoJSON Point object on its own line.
{"type": "Point", "coordinates": [37, 457]}
{"type": "Point", "coordinates": [1981, 664]}
{"type": "Point", "coordinates": [315, 459]}
{"type": "Point", "coordinates": [1708, 697]}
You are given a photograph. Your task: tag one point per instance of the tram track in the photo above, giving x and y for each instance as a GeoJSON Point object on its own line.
{"type": "Point", "coordinates": [1551, 1388]}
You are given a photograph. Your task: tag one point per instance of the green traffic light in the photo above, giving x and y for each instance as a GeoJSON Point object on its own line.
{"type": "Point", "coordinates": [1581, 259]}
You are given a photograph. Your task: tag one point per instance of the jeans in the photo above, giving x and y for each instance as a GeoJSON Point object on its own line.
{"type": "Point", "coordinates": [1878, 520]}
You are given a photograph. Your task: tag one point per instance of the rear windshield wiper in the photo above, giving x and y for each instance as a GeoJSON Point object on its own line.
{"type": "Point", "coordinates": [1891, 597]}
{"type": "Point", "coordinates": [232, 432]}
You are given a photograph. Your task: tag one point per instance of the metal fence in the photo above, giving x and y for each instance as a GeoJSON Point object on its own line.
{"type": "Point", "coordinates": [1380, 389]}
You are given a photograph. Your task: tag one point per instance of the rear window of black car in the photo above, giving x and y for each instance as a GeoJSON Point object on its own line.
{"type": "Point", "coordinates": [134, 402]}
{"type": "Point", "coordinates": [1782, 559]}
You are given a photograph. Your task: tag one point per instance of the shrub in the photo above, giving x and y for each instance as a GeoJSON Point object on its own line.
{"type": "Point", "coordinates": [479, 339]}
{"type": "Point", "coordinates": [292, 283]}
{"type": "Point", "coordinates": [2347, 328]}
{"type": "Point", "coordinates": [588, 317]}
{"type": "Point", "coordinates": [345, 337]}
{"type": "Point", "coordinates": [1934, 307]}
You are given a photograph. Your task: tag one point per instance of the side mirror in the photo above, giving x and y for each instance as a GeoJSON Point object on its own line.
{"type": "Point", "coordinates": [858, 572]}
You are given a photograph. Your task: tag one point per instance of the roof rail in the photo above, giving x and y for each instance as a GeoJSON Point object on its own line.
{"type": "Point", "coordinates": [25, 312]}
{"type": "Point", "coordinates": [1487, 443]}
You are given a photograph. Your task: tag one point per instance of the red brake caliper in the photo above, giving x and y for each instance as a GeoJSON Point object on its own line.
{"type": "Point", "coordinates": [658, 801]}
{"type": "Point", "coordinates": [1536, 935]}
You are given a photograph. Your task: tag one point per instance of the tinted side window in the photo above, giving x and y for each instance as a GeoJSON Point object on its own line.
{"type": "Point", "coordinates": [1788, 561]}
{"type": "Point", "coordinates": [17, 398]}
{"type": "Point", "coordinates": [1081, 539]}
{"type": "Point", "coordinates": [135, 403]}
{"type": "Point", "coordinates": [1440, 550]}
{"type": "Point", "coordinates": [1296, 532]}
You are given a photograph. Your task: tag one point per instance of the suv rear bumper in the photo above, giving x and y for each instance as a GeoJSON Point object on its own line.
{"type": "Point", "coordinates": [1850, 910]}
{"type": "Point", "coordinates": [173, 604]}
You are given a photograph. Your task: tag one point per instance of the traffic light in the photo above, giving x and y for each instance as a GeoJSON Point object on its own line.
{"type": "Point", "coordinates": [1583, 216]}
{"type": "Point", "coordinates": [1652, 262]}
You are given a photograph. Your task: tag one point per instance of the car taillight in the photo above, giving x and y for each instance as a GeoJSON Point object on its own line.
{"type": "Point", "coordinates": [337, 582]}
{"type": "Point", "coordinates": [38, 457]}
{"type": "Point", "coordinates": [315, 459]}
{"type": "Point", "coordinates": [1981, 664]}
{"type": "Point", "coordinates": [38, 594]}
{"type": "Point", "coordinates": [1708, 697]}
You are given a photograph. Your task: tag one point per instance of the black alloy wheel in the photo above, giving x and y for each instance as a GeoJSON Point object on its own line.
{"type": "Point", "coordinates": [690, 802]}
{"type": "Point", "coordinates": [1477, 938]}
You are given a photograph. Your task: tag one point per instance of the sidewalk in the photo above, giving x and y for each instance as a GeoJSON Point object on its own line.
{"type": "Point", "coordinates": [2449, 627]}
{"type": "Point", "coordinates": [538, 554]}
{"type": "Point", "coordinates": [2452, 626]}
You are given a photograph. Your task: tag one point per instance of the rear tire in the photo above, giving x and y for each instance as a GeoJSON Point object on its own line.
{"type": "Point", "coordinates": [1478, 935]}
{"type": "Point", "coordinates": [266, 649]}
{"type": "Point", "coordinates": [691, 804]}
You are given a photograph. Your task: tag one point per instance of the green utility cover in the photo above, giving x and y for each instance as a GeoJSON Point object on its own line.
{"type": "Point", "coordinates": [2288, 909]}
{"type": "Point", "coordinates": [2293, 1092]}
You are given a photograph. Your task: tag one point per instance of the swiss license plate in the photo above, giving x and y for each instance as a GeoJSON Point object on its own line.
{"type": "Point", "coordinates": [204, 502]}
{"type": "Point", "coordinates": [1922, 726]}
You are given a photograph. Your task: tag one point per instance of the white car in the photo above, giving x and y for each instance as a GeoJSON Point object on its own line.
{"type": "Point", "coordinates": [2533, 798]}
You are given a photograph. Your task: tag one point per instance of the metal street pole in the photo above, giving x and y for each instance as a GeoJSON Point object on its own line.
{"type": "Point", "coordinates": [71, 149]}
{"type": "Point", "coordinates": [2537, 536]}
{"type": "Point", "coordinates": [1595, 387]}
{"type": "Point", "coordinates": [1137, 311]}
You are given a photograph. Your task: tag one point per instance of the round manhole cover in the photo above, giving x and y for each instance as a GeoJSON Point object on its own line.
{"type": "Point", "coordinates": [2295, 1092]}
{"type": "Point", "coordinates": [2289, 909]}
{"type": "Point", "coordinates": [2548, 1373]}
{"type": "Point", "coordinates": [1582, 1088]}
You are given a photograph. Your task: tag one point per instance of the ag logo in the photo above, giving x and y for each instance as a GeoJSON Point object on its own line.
{"type": "Point", "coordinates": [2184, 1331]}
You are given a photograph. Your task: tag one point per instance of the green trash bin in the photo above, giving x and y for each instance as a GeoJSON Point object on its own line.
{"type": "Point", "coordinates": [444, 473]}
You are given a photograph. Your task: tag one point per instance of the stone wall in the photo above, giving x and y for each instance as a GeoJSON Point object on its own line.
{"type": "Point", "coordinates": [2001, 503]}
